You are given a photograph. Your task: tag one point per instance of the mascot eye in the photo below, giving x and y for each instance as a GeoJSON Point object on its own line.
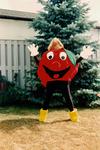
{"type": "Point", "coordinates": [50, 55]}
{"type": "Point", "coordinates": [63, 56]}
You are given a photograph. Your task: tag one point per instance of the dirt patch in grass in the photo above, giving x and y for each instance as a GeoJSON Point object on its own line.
{"type": "Point", "coordinates": [24, 132]}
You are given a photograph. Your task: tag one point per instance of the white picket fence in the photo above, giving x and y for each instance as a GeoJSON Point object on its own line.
{"type": "Point", "coordinates": [14, 60]}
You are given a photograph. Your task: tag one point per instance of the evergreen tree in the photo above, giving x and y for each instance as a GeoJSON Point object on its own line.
{"type": "Point", "coordinates": [68, 21]}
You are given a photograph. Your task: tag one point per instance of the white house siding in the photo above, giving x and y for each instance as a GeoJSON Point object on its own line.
{"type": "Point", "coordinates": [95, 36]}
{"type": "Point", "coordinates": [15, 29]}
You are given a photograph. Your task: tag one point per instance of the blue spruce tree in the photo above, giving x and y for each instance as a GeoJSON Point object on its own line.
{"type": "Point", "coordinates": [68, 21]}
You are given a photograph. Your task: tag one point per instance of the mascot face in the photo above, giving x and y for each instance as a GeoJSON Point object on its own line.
{"type": "Point", "coordinates": [55, 65]}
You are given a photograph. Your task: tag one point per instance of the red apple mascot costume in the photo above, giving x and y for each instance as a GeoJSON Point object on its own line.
{"type": "Point", "coordinates": [56, 69]}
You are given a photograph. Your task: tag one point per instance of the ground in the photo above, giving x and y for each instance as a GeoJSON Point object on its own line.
{"type": "Point", "coordinates": [21, 130]}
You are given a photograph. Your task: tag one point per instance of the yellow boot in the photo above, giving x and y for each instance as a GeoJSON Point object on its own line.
{"type": "Point", "coordinates": [74, 115]}
{"type": "Point", "coordinates": [43, 115]}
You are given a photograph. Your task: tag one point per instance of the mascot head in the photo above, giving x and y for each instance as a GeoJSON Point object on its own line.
{"type": "Point", "coordinates": [56, 63]}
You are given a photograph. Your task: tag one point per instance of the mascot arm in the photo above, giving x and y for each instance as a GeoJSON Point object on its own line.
{"type": "Point", "coordinates": [79, 60]}
{"type": "Point", "coordinates": [34, 52]}
{"type": "Point", "coordinates": [36, 60]}
{"type": "Point", "coordinates": [85, 53]}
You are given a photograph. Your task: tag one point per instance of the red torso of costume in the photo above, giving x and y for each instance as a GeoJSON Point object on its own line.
{"type": "Point", "coordinates": [55, 65]}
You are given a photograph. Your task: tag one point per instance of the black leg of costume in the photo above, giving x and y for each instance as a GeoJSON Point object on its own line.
{"type": "Point", "coordinates": [68, 98]}
{"type": "Point", "coordinates": [62, 87]}
{"type": "Point", "coordinates": [47, 101]}
{"type": "Point", "coordinates": [48, 95]}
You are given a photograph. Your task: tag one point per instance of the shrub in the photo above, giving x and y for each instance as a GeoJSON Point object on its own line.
{"type": "Point", "coordinates": [95, 104]}
{"type": "Point", "coordinates": [84, 97]}
{"type": "Point", "coordinates": [11, 93]}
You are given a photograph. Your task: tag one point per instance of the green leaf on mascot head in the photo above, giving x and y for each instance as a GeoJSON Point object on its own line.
{"type": "Point", "coordinates": [71, 57]}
